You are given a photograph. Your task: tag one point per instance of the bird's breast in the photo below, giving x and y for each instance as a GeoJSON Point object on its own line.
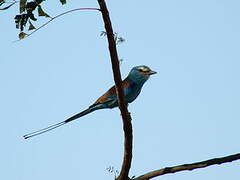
{"type": "Point", "coordinates": [131, 92]}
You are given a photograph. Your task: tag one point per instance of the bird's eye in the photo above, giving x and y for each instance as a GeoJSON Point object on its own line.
{"type": "Point", "coordinates": [144, 70]}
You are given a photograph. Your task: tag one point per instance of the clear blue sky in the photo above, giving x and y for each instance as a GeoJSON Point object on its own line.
{"type": "Point", "coordinates": [188, 112]}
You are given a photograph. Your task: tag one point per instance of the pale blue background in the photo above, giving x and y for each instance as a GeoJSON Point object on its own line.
{"type": "Point", "coordinates": [188, 112]}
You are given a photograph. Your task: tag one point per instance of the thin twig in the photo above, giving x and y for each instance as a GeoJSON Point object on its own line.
{"type": "Point", "coordinates": [11, 4]}
{"type": "Point", "coordinates": [184, 167]}
{"type": "Point", "coordinates": [72, 10]}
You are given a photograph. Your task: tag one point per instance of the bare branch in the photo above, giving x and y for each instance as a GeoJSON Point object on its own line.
{"type": "Point", "coordinates": [184, 167]}
{"type": "Point", "coordinates": [126, 118]}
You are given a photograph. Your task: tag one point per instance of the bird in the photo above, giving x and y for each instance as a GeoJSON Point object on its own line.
{"type": "Point", "coordinates": [132, 86]}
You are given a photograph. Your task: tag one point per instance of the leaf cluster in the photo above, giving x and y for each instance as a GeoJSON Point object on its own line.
{"type": "Point", "coordinates": [26, 14]}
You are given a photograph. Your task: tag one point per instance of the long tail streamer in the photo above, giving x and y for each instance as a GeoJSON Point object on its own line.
{"type": "Point", "coordinates": [49, 128]}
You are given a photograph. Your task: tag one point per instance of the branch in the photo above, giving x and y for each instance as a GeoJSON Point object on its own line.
{"type": "Point", "coordinates": [126, 118]}
{"type": "Point", "coordinates": [189, 167]}
{"type": "Point", "coordinates": [11, 4]}
{"type": "Point", "coordinates": [59, 15]}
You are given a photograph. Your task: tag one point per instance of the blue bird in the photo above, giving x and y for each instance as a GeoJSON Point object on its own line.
{"type": "Point", "coordinates": [132, 86]}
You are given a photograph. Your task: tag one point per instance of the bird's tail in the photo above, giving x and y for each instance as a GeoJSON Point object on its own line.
{"type": "Point", "coordinates": [49, 128]}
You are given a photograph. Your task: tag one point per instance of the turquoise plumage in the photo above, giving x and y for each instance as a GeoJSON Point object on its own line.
{"type": "Point", "coordinates": [132, 86]}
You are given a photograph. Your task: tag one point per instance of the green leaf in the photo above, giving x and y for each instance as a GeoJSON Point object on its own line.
{"type": "Point", "coordinates": [46, 15]}
{"type": "Point", "coordinates": [31, 26]}
{"type": "Point", "coordinates": [22, 35]}
{"type": "Point", "coordinates": [41, 12]}
{"type": "Point", "coordinates": [63, 2]}
{"type": "Point", "coordinates": [22, 5]}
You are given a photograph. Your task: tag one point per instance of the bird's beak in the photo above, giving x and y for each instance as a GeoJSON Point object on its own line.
{"type": "Point", "coordinates": [152, 72]}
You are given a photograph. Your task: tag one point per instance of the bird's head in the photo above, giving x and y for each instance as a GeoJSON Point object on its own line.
{"type": "Point", "coordinates": [140, 73]}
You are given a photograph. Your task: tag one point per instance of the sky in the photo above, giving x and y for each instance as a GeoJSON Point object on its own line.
{"type": "Point", "coordinates": [188, 112]}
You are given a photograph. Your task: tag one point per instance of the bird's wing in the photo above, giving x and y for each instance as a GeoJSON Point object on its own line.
{"type": "Point", "coordinates": [110, 96]}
